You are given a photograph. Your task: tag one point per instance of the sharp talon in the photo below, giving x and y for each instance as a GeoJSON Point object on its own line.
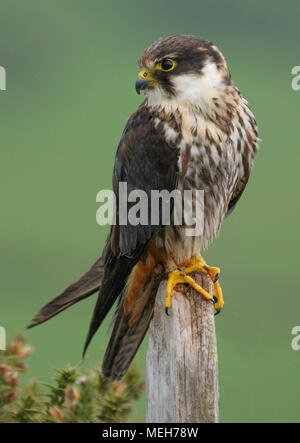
{"type": "Point", "coordinates": [218, 311]}
{"type": "Point", "coordinates": [182, 276]}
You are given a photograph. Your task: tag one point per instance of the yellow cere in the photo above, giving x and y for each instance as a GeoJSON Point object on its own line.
{"type": "Point", "coordinates": [144, 74]}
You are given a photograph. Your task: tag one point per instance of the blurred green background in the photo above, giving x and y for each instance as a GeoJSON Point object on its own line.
{"type": "Point", "coordinates": [71, 69]}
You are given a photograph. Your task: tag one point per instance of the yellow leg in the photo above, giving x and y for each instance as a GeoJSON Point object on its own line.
{"type": "Point", "coordinates": [177, 277]}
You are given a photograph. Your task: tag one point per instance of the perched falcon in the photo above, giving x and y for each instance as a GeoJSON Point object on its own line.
{"type": "Point", "coordinates": [193, 131]}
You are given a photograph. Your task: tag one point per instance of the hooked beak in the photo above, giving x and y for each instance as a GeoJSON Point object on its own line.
{"type": "Point", "coordinates": [141, 84]}
{"type": "Point", "coordinates": [144, 80]}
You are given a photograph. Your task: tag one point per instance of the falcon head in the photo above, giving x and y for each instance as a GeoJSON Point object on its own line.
{"type": "Point", "coordinates": [182, 69]}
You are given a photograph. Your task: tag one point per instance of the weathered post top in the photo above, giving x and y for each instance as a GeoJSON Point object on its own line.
{"type": "Point", "coordinates": [181, 372]}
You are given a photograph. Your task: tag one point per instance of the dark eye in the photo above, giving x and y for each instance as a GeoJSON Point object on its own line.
{"type": "Point", "coordinates": [166, 65]}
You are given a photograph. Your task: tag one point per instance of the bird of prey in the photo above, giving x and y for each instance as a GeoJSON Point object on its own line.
{"type": "Point", "coordinates": [193, 131]}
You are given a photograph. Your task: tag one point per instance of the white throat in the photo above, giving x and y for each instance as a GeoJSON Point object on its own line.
{"type": "Point", "coordinates": [191, 90]}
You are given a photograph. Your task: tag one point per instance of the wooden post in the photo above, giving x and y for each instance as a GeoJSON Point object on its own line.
{"type": "Point", "coordinates": [181, 372]}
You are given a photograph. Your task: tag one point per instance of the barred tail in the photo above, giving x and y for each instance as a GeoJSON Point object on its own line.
{"type": "Point", "coordinates": [128, 332]}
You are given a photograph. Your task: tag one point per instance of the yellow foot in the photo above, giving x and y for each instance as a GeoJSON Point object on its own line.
{"type": "Point", "coordinates": [177, 277]}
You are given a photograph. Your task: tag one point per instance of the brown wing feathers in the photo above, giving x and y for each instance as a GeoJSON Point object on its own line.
{"type": "Point", "coordinates": [128, 274]}
{"type": "Point", "coordinates": [87, 285]}
{"type": "Point", "coordinates": [128, 270]}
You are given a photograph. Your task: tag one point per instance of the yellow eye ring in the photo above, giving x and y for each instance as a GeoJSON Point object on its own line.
{"type": "Point", "coordinates": [166, 65]}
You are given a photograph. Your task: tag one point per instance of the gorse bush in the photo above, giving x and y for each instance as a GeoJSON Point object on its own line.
{"type": "Point", "coordinates": [75, 396]}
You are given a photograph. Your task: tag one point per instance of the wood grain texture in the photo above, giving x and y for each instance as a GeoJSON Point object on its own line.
{"type": "Point", "coordinates": [182, 362]}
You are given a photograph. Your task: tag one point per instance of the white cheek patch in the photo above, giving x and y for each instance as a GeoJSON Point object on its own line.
{"type": "Point", "coordinates": [198, 89]}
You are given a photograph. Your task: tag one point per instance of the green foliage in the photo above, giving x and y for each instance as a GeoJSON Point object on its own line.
{"type": "Point", "coordinates": [75, 396]}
